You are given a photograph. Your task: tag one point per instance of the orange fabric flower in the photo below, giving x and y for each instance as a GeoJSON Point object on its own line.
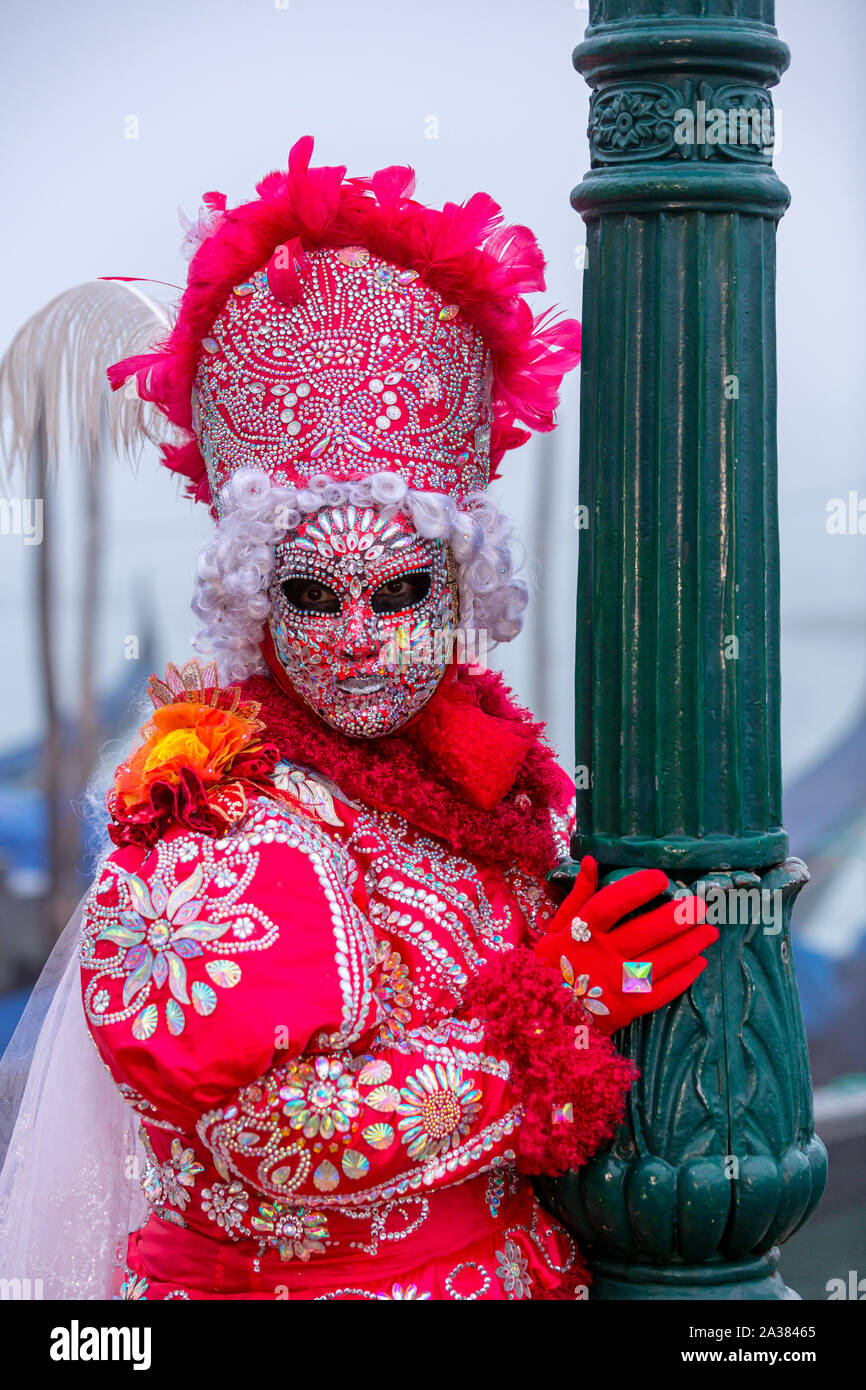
{"type": "Point", "coordinates": [184, 735]}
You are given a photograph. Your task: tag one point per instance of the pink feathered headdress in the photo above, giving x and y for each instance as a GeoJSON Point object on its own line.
{"type": "Point", "coordinates": [252, 282]}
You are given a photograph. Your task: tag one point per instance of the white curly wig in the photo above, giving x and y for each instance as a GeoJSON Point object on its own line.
{"type": "Point", "coordinates": [234, 569]}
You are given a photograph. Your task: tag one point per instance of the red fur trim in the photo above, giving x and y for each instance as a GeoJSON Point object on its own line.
{"type": "Point", "coordinates": [462, 251]}
{"type": "Point", "coordinates": [530, 1019]}
{"type": "Point", "coordinates": [395, 773]}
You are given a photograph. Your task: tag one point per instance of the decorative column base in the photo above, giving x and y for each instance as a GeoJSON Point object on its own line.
{"type": "Point", "coordinates": [716, 1162]}
{"type": "Point", "coordinates": [748, 1280]}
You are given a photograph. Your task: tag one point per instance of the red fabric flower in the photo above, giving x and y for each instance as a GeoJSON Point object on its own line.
{"type": "Point", "coordinates": [478, 753]}
{"type": "Point", "coordinates": [193, 751]}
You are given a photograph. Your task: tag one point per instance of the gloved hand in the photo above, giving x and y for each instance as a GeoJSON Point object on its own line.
{"type": "Point", "coordinates": [586, 944]}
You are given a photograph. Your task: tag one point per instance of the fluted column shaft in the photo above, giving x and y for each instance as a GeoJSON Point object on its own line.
{"type": "Point", "coordinates": [678, 680]}
{"type": "Point", "coordinates": [677, 661]}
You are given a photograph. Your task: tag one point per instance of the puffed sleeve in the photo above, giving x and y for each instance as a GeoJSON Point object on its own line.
{"type": "Point", "coordinates": [233, 985]}
{"type": "Point", "coordinates": [426, 1113]}
{"type": "Point", "coordinates": [204, 959]}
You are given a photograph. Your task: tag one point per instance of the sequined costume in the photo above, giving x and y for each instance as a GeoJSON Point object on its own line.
{"type": "Point", "coordinates": [340, 1016]}
{"type": "Point", "coordinates": [313, 962]}
{"type": "Point", "coordinates": [283, 1006]}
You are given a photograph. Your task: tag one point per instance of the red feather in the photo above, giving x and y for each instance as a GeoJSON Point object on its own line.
{"type": "Point", "coordinates": [463, 252]}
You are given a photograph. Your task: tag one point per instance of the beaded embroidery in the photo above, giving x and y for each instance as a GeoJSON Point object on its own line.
{"type": "Point", "coordinates": [315, 1128]}
{"type": "Point", "coordinates": [159, 918]}
{"type": "Point", "coordinates": [161, 940]}
{"type": "Point", "coordinates": [370, 370]}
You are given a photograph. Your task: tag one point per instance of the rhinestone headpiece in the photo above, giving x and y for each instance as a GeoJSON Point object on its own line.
{"type": "Point", "coordinates": [368, 370]}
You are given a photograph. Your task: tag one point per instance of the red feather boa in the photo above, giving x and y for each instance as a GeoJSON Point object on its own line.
{"type": "Point", "coordinates": [471, 768]}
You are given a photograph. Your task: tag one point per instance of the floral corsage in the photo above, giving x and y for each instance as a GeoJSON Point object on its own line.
{"type": "Point", "coordinates": [200, 758]}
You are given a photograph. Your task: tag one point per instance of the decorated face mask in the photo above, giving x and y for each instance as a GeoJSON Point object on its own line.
{"type": "Point", "coordinates": [362, 617]}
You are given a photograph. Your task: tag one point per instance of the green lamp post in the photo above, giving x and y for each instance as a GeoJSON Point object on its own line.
{"type": "Point", "coordinates": [677, 675]}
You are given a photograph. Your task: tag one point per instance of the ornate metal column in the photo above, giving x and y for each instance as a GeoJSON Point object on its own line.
{"type": "Point", "coordinates": [677, 678]}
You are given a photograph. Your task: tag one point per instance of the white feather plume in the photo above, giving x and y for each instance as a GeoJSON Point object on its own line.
{"type": "Point", "coordinates": [57, 362]}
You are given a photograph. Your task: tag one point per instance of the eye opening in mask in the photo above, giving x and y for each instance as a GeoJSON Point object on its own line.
{"type": "Point", "coordinates": [416, 585]}
{"type": "Point", "coordinates": [393, 595]}
{"type": "Point", "coordinates": [295, 591]}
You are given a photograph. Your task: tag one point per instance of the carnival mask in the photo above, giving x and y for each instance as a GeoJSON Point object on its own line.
{"type": "Point", "coordinates": [363, 613]}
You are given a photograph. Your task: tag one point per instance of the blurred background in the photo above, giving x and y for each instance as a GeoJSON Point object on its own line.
{"type": "Point", "coordinates": [117, 116]}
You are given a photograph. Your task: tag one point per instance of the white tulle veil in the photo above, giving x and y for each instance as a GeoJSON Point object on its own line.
{"type": "Point", "coordinates": [69, 1185]}
{"type": "Point", "coordinates": [70, 1156]}
{"type": "Point", "coordinates": [69, 1189]}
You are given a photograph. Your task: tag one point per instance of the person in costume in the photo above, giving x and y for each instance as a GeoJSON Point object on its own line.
{"type": "Point", "coordinates": [323, 963]}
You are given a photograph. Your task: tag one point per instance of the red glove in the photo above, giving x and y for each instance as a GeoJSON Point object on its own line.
{"type": "Point", "coordinates": [586, 944]}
